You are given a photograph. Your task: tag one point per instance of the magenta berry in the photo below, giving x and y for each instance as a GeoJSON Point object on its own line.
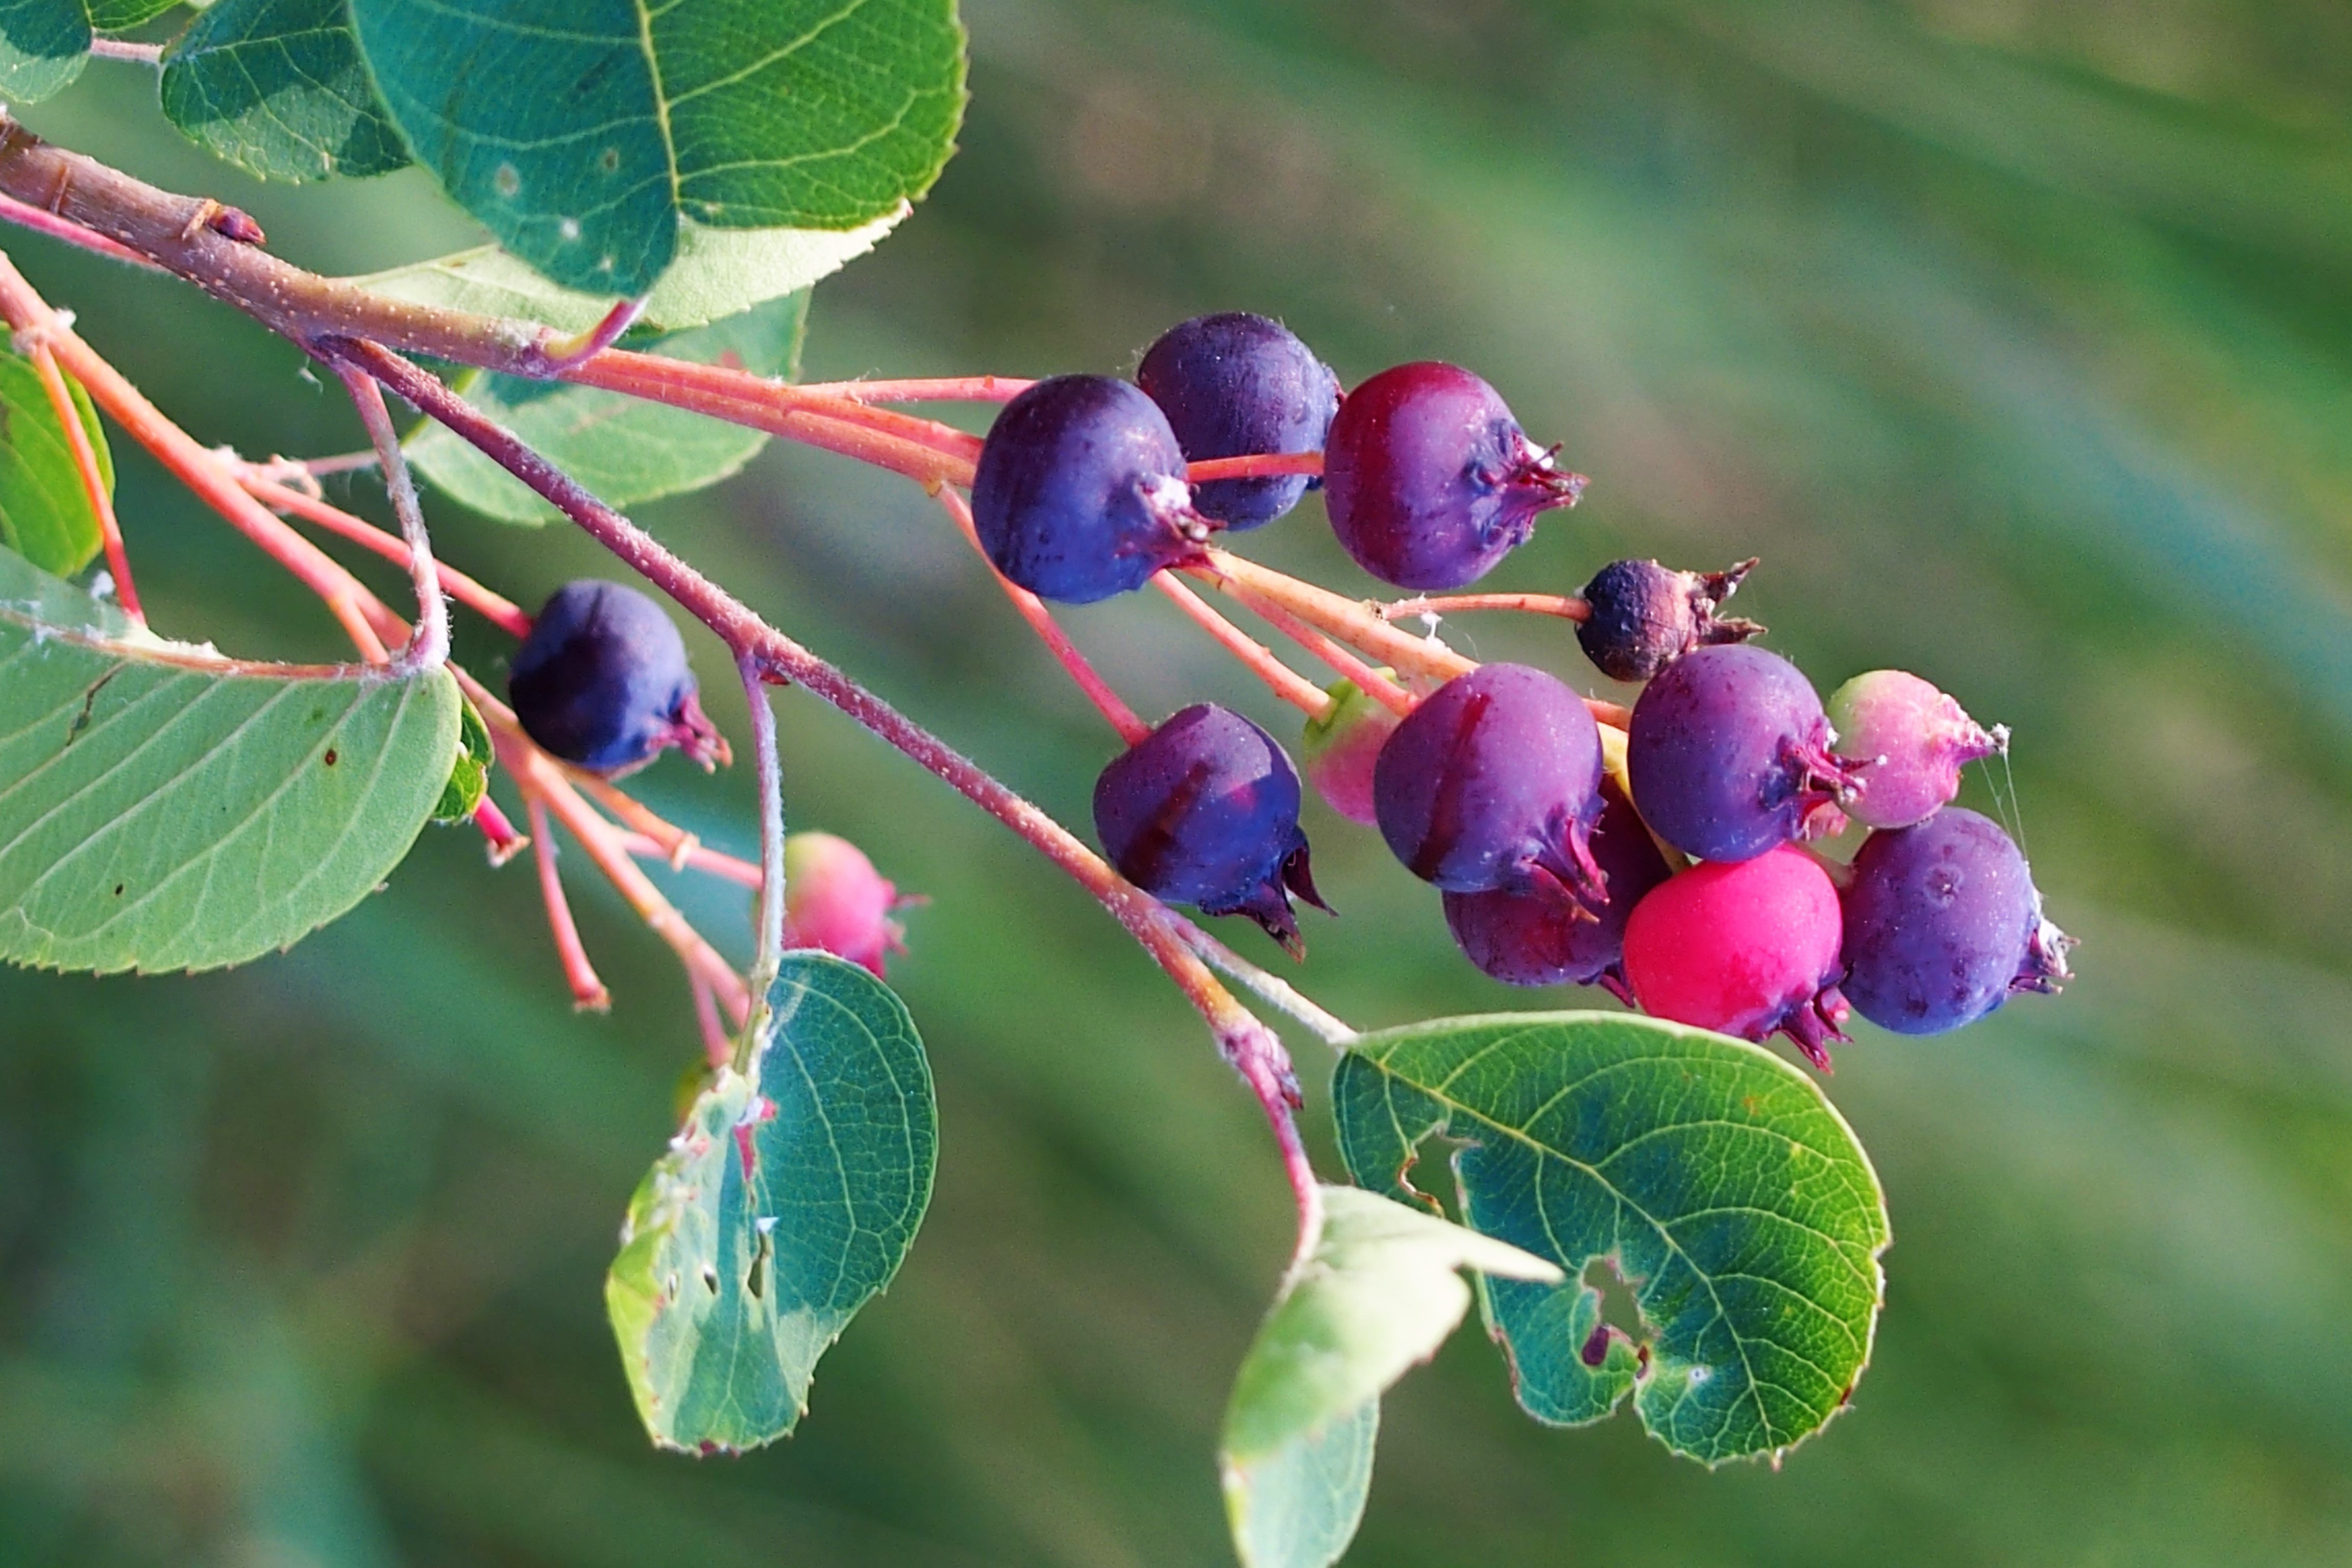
{"type": "Point", "coordinates": [1080, 491]}
{"type": "Point", "coordinates": [1537, 939]}
{"type": "Point", "coordinates": [835, 899]}
{"type": "Point", "coordinates": [1912, 739]}
{"type": "Point", "coordinates": [602, 681]}
{"type": "Point", "coordinates": [1745, 947]}
{"type": "Point", "coordinates": [1493, 781]}
{"type": "Point", "coordinates": [1342, 747]}
{"type": "Point", "coordinates": [1730, 753]}
{"type": "Point", "coordinates": [1429, 480]}
{"type": "Point", "coordinates": [1642, 616]}
{"type": "Point", "coordinates": [1233, 384]}
{"type": "Point", "coordinates": [1204, 811]}
{"type": "Point", "coordinates": [1942, 923]}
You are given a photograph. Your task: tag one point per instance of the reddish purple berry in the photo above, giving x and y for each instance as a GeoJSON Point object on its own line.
{"type": "Point", "coordinates": [1942, 923]}
{"type": "Point", "coordinates": [1236, 384]}
{"type": "Point", "coordinates": [1080, 491]}
{"type": "Point", "coordinates": [1912, 738]}
{"type": "Point", "coordinates": [1429, 480]}
{"type": "Point", "coordinates": [1642, 616]}
{"type": "Point", "coordinates": [835, 899]}
{"type": "Point", "coordinates": [602, 681]}
{"type": "Point", "coordinates": [1204, 811]}
{"type": "Point", "coordinates": [1494, 781]}
{"type": "Point", "coordinates": [1745, 947]}
{"type": "Point", "coordinates": [1343, 746]}
{"type": "Point", "coordinates": [1537, 939]}
{"type": "Point", "coordinates": [1730, 753]}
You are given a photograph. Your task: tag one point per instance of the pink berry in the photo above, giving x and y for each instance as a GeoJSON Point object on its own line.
{"type": "Point", "coordinates": [1341, 748]}
{"type": "Point", "coordinates": [1912, 742]}
{"type": "Point", "coordinates": [1744, 947]}
{"type": "Point", "coordinates": [835, 900]}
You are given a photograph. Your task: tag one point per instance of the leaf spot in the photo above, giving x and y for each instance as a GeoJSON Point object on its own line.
{"type": "Point", "coordinates": [331, 757]}
{"type": "Point", "coordinates": [508, 181]}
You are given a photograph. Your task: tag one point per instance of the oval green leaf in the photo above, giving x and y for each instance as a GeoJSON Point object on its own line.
{"type": "Point", "coordinates": [277, 88]}
{"type": "Point", "coordinates": [1713, 1176]}
{"type": "Point", "coordinates": [45, 514]}
{"type": "Point", "coordinates": [44, 44]}
{"type": "Point", "coordinates": [786, 1202]}
{"type": "Point", "coordinates": [163, 809]}
{"type": "Point", "coordinates": [582, 132]}
{"type": "Point", "coordinates": [625, 450]}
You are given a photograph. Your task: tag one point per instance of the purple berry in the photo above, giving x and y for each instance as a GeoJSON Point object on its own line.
{"type": "Point", "coordinates": [1343, 746]}
{"type": "Point", "coordinates": [1494, 781]}
{"type": "Point", "coordinates": [1236, 384]}
{"type": "Point", "coordinates": [1942, 923]}
{"type": "Point", "coordinates": [1080, 491]}
{"type": "Point", "coordinates": [602, 681]}
{"type": "Point", "coordinates": [1644, 616]}
{"type": "Point", "coordinates": [1914, 740]}
{"type": "Point", "coordinates": [1204, 811]}
{"type": "Point", "coordinates": [1429, 480]}
{"type": "Point", "coordinates": [1539, 938]}
{"type": "Point", "coordinates": [1730, 753]}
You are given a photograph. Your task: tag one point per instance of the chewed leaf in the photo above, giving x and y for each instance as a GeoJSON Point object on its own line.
{"type": "Point", "coordinates": [625, 450]}
{"type": "Point", "coordinates": [277, 87]}
{"type": "Point", "coordinates": [161, 807]}
{"type": "Point", "coordinates": [786, 1202]}
{"type": "Point", "coordinates": [469, 774]}
{"type": "Point", "coordinates": [45, 513]}
{"type": "Point", "coordinates": [758, 114]}
{"type": "Point", "coordinates": [1713, 1176]}
{"type": "Point", "coordinates": [1378, 1294]}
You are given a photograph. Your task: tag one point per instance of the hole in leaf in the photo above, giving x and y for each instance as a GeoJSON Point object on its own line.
{"type": "Point", "coordinates": [756, 1281]}
{"type": "Point", "coordinates": [710, 1279]}
{"type": "Point", "coordinates": [1621, 1314]}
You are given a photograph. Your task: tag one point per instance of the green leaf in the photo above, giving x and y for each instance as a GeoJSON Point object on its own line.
{"type": "Point", "coordinates": [163, 809]}
{"type": "Point", "coordinates": [624, 449]}
{"type": "Point", "coordinates": [277, 87]}
{"type": "Point", "coordinates": [45, 514]}
{"type": "Point", "coordinates": [469, 776]}
{"type": "Point", "coordinates": [580, 131]}
{"type": "Point", "coordinates": [115, 15]}
{"type": "Point", "coordinates": [1378, 1293]}
{"type": "Point", "coordinates": [44, 44]}
{"type": "Point", "coordinates": [719, 272]}
{"type": "Point", "coordinates": [1715, 1178]}
{"type": "Point", "coordinates": [787, 1201]}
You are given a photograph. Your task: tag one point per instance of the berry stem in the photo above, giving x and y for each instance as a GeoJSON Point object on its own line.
{"type": "Point", "coordinates": [925, 389]}
{"type": "Point", "coordinates": [1365, 679]}
{"type": "Point", "coordinates": [769, 956]}
{"type": "Point", "coordinates": [1564, 606]}
{"type": "Point", "coordinates": [1286, 682]}
{"type": "Point", "coordinates": [1107, 702]}
{"type": "Point", "coordinates": [93, 482]}
{"type": "Point", "coordinates": [40, 220]}
{"type": "Point", "coordinates": [565, 353]}
{"type": "Point", "coordinates": [1271, 988]}
{"type": "Point", "coordinates": [429, 645]}
{"type": "Point", "coordinates": [588, 992]}
{"type": "Point", "coordinates": [1257, 466]}
{"type": "Point", "coordinates": [697, 858]}
{"type": "Point", "coordinates": [505, 843]}
{"type": "Point", "coordinates": [494, 607]}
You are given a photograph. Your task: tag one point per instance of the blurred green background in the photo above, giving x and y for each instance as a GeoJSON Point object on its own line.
{"type": "Point", "coordinates": [2013, 334]}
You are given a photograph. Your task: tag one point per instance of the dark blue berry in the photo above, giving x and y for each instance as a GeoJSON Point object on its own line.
{"type": "Point", "coordinates": [1493, 781]}
{"type": "Point", "coordinates": [1642, 617]}
{"type": "Point", "coordinates": [602, 681]}
{"type": "Point", "coordinates": [1942, 923]}
{"type": "Point", "coordinates": [1204, 811]}
{"type": "Point", "coordinates": [1540, 939]}
{"type": "Point", "coordinates": [1730, 755]}
{"type": "Point", "coordinates": [1080, 491]}
{"type": "Point", "coordinates": [1429, 480]}
{"type": "Point", "coordinates": [1235, 384]}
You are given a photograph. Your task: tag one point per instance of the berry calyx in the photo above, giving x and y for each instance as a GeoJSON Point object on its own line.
{"type": "Point", "coordinates": [1943, 922]}
{"type": "Point", "coordinates": [1233, 384]}
{"type": "Point", "coordinates": [1204, 811]}
{"type": "Point", "coordinates": [1494, 781]}
{"type": "Point", "coordinates": [1729, 755]}
{"type": "Point", "coordinates": [1642, 617]}
{"type": "Point", "coordinates": [602, 681]}
{"type": "Point", "coordinates": [1914, 739]}
{"type": "Point", "coordinates": [1080, 492]}
{"type": "Point", "coordinates": [1342, 746]}
{"type": "Point", "coordinates": [835, 899]}
{"type": "Point", "coordinates": [1535, 939]}
{"type": "Point", "coordinates": [1745, 947]}
{"type": "Point", "coordinates": [1429, 480]}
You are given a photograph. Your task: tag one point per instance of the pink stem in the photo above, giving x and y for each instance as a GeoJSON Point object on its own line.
{"type": "Point", "coordinates": [1257, 466]}
{"type": "Point", "coordinates": [717, 1048]}
{"type": "Point", "coordinates": [124, 49]}
{"type": "Point", "coordinates": [935, 389]}
{"type": "Point", "coordinates": [93, 482]}
{"type": "Point", "coordinates": [40, 220]}
{"type": "Point", "coordinates": [1561, 604]}
{"type": "Point", "coordinates": [428, 643]}
{"type": "Point", "coordinates": [504, 841]}
{"type": "Point", "coordinates": [495, 608]}
{"type": "Point", "coordinates": [740, 872]}
{"type": "Point", "coordinates": [1286, 682]}
{"type": "Point", "coordinates": [570, 354]}
{"type": "Point", "coordinates": [588, 992]}
{"type": "Point", "coordinates": [1367, 680]}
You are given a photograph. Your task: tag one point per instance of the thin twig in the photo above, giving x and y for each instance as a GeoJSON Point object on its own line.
{"type": "Point", "coordinates": [930, 389]}
{"type": "Point", "coordinates": [493, 606]}
{"type": "Point", "coordinates": [769, 956]}
{"type": "Point", "coordinates": [93, 482]}
{"type": "Point", "coordinates": [40, 220]}
{"type": "Point", "coordinates": [124, 49]}
{"type": "Point", "coordinates": [1561, 604]}
{"type": "Point", "coordinates": [1365, 679]}
{"type": "Point", "coordinates": [1284, 682]}
{"type": "Point", "coordinates": [1257, 466]}
{"type": "Point", "coordinates": [505, 843]}
{"type": "Point", "coordinates": [588, 992]}
{"type": "Point", "coordinates": [1272, 988]}
{"type": "Point", "coordinates": [712, 862]}
{"type": "Point", "coordinates": [428, 646]}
